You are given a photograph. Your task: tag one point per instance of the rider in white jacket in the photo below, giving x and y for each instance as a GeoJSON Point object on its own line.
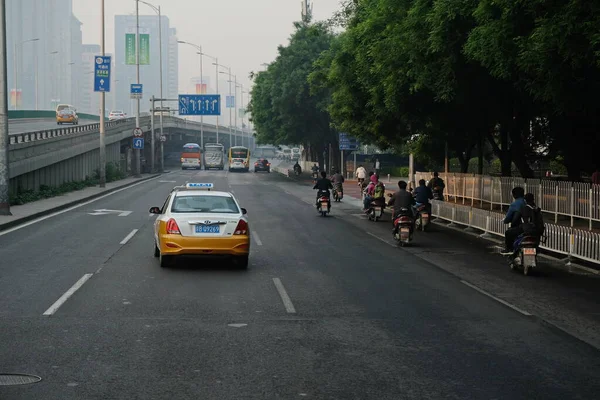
{"type": "Point", "coordinates": [360, 174]}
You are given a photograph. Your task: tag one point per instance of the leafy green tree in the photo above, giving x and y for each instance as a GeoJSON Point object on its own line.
{"type": "Point", "coordinates": [283, 108]}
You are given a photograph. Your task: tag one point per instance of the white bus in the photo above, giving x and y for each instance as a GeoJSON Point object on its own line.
{"type": "Point", "coordinates": [214, 156]}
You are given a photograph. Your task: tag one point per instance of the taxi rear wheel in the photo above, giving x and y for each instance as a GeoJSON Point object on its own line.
{"type": "Point", "coordinates": [242, 262]}
{"type": "Point", "coordinates": [166, 261]}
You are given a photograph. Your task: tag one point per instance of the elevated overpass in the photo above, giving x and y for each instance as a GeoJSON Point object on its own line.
{"type": "Point", "coordinates": [55, 155]}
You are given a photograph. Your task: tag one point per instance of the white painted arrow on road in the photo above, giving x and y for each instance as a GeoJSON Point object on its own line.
{"type": "Point", "coordinates": [106, 212]}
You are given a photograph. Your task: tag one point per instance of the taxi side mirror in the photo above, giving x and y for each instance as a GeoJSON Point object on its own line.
{"type": "Point", "coordinates": [244, 211]}
{"type": "Point", "coordinates": [155, 210]}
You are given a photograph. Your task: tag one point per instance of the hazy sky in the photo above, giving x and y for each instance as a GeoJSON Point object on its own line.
{"type": "Point", "coordinates": [243, 34]}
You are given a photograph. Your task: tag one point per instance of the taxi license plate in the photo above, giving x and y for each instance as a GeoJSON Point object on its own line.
{"type": "Point", "coordinates": [208, 229]}
{"type": "Point", "coordinates": [529, 251]}
{"type": "Point", "coordinates": [405, 230]}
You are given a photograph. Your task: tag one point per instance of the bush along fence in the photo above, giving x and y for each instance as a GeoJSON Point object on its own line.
{"type": "Point", "coordinates": [563, 240]}
{"type": "Point", "coordinates": [575, 200]}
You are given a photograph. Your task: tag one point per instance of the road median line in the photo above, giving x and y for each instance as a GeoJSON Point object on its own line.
{"type": "Point", "coordinates": [62, 299]}
{"type": "Point", "coordinates": [495, 298]}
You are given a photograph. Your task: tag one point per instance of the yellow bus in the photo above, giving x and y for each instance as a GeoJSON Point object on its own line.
{"type": "Point", "coordinates": [239, 158]}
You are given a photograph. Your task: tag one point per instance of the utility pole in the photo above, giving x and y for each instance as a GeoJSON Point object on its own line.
{"type": "Point", "coordinates": [202, 116]}
{"type": "Point", "coordinates": [160, 59]}
{"type": "Point", "coordinates": [4, 141]}
{"type": "Point", "coordinates": [138, 153]}
{"type": "Point", "coordinates": [102, 112]}
{"type": "Point", "coordinates": [217, 83]}
{"type": "Point", "coordinates": [235, 110]}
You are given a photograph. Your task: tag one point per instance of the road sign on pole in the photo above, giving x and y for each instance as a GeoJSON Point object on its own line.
{"type": "Point", "coordinates": [138, 132]}
{"type": "Point", "coordinates": [230, 102]}
{"type": "Point", "coordinates": [199, 104]}
{"type": "Point", "coordinates": [348, 142]}
{"type": "Point", "coordinates": [163, 138]}
{"type": "Point", "coordinates": [138, 143]}
{"type": "Point", "coordinates": [136, 91]}
{"type": "Point", "coordinates": [102, 74]}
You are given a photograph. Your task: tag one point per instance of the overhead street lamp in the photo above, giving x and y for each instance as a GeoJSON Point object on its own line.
{"type": "Point", "coordinates": [199, 48]}
{"type": "Point", "coordinates": [157, 10]}
{"type": "Point", "coordinates": [223, 66]}
{"type": "Point", "coordinates": [16, 67]}
{"type": "Point", "coordinates": [230, 108]}
{"type": "Point", "coordinates": [53, 83]}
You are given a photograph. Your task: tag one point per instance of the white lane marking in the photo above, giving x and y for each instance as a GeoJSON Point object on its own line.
{"type": "Point", "coordinates": [287, 302]}
{"type": "Point", "coordinates": [495, 298]}
{"type": "Point", "coordinates": [128, 237]}
{"type": "Point", "coordinates": [378, 238]}
{"type": "Point", "coordinates": [54, 307]}
{"type": "Point", "coordinates": [256, 238]}
{"type": "Point", "coordinates": [35, 221]}
{"type": "Point", "coordinates": [287, 192]}
{"type": "Point", "coordinates": [167, 181]}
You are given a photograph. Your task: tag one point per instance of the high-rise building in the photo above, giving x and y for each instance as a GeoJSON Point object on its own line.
{"type": "Point", "coordinates": [125, 74]}
{"type": "Point", "coordinates": [44, 51]}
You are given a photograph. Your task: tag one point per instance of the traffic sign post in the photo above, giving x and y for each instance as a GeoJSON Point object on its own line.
{"type": "Point", "coordinates": [199, 104]}
{"type": "Point", "coordinates": [138, 132]}
{"type": "Point", "coordinates": [136, 91]}
{"type": "Point", "coordinates": [102, 73]}
{"type": "Point", "coordinates": [138, 143]}
{"type": "Point", "coordinates": [163, 138]}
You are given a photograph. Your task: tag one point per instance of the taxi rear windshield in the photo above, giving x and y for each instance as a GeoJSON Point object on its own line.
{"type": "Point", "coordinates": [239, 153]}
{"type": "Point", "coordinates": [204, 204]}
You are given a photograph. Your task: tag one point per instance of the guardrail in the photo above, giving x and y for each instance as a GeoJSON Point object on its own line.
{"type": "Point", "coordinates": [52, 133]}
{"type": "Point", "coordinates": [45, 114]}
{"type": "Point", "coordinates": [573, 243]}
{"type": "Point", "coordinates": [144, 121]}
{"type": "Point", "coordinates": [571, 199]}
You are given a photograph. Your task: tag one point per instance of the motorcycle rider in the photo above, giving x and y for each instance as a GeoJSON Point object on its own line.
{"type": "Point", "coordinates": [338, 180]}
{"type": "Point", "coordinates": [370, 191]}
{"type": "Point", "coordinates": [361, 174]}
{"type": "Point", "coordinates": [423, 194]}
{"type": "Point", "coordinates": [297, 168]}
{"type": "Point", "coordinates": [437, 185]}
{"type": "Point", "coordinates": [323, 185]}
{"type": "Point", "coordinates": [514, 218]}
{"type": "Point", "coordinates": [402, 199]}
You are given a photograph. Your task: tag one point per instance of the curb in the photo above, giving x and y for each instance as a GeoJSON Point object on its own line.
{"type": "Point", "coordinates": [52, 210]}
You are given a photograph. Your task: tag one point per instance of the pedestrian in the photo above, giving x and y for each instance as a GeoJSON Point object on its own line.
{"type": "Point", "coordinates": [377, 166]}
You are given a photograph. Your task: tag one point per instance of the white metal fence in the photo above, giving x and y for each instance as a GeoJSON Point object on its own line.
{"type": "Point", "coordinates": [571, 199]}
{"type": "Point", "coordinates": [574, 243]}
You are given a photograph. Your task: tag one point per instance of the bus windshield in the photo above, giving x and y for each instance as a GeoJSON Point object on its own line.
{"type": "Point", "coordinates": [239, 153]}
{"type": "Point", "coordinates": [191, 148]}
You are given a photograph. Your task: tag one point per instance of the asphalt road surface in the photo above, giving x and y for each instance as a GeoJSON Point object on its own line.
{"type": "Point", "coordinates": [17, 126]}
{"type": "Point", "coordinates": [325, 311]}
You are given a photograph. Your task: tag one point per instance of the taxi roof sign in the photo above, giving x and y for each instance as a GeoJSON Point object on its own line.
{"type": "Point", "coordinates": [195, 186]}
{"type": "Point", "coordinates": [199, 185]}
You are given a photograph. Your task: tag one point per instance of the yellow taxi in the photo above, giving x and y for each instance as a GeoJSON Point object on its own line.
{"type": "Point", "coordinates": [67, 115]}
{"type": "Point", "coordinates": [197, 221]}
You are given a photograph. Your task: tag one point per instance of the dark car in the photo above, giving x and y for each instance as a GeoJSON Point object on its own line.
{"type": "Point", "coordinates": [262, 165]}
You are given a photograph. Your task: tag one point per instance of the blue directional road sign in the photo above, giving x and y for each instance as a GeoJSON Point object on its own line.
{"type": "Point", "coordinates": [199, 104]}
{"type": "Point", "coordinates": [102, 74]}
{"type": "Point", "coordinates": [138, 143]}
{"type": "Point", "coordinates": [348, 142]}
{"type": "Point", "coordinates": [136, 91]}
{"type": "Point", "coordinates": [230, 102]}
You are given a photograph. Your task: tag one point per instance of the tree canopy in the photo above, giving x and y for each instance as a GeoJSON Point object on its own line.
{"type": "Point", "coordinates": [513, 77]}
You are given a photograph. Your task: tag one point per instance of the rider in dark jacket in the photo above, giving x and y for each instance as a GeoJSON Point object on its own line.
{"type": "Point", "coordinates": [402, 199]}
{"type": "Point", "coordinates": [323, 186]}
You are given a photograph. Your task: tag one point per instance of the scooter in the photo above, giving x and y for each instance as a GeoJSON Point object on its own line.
{"type": "Point", "coordinates": [323, 203]}
{"type": "Point", "coordinates": [403, 227]}
{"type": "Point", "coordinates": [338, 192]}
{"type": "Point", "coordinates": [375, 211]}
{"type": "Point", "coordinates": [315, 176]}
{"type": "Point", "coordinates": [525, 254]}
{"type": "Point", "coordinates": [422, 220]}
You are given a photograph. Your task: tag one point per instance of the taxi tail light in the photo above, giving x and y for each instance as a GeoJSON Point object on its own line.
{"type": "Point", "coordinates": [241, 228]}
{"type": "Point", "coordinates": [172, 227]}
{"type": "Point", "coordinates": [182, 159]}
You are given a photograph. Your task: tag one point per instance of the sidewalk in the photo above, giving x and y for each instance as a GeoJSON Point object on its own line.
{"type": "Point", "coordinates": [37, 209]}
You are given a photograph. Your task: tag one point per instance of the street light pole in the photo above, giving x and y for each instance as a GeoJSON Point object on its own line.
{"type": "Point", "coordinates": [4, 173]}
{"type": "Point", "coordinates": [102, 111]}
{"type": "Point", "coordinates": [138, 160]}
{"type": "Point", "coordinates": [37, 78]}
{"type": "Point", "coordinates": [152, 145]}
{"type": "Point", "coordinates": [235, 109]}
{"type": "Point", "coordinates": [217, 83]}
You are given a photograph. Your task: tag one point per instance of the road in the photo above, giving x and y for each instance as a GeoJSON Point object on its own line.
{"type": "Point", "coordinates": [17, 126]}
{"type": "Point", "coordinates": [361, 319]}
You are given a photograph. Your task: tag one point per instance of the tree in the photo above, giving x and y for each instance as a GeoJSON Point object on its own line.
{"type": "Point", "coordinates": [283, 108]}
